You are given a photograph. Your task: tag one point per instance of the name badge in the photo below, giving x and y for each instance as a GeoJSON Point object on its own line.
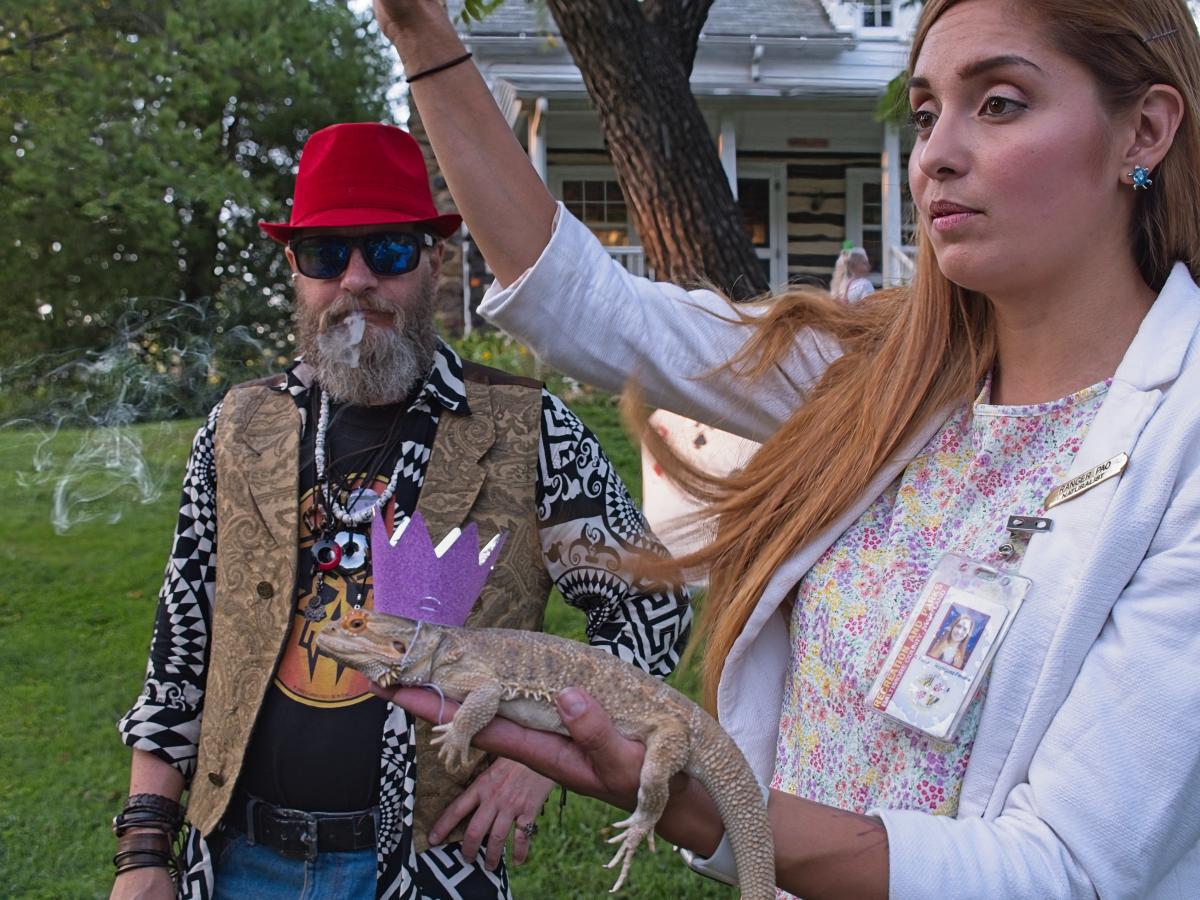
{"type": "Point", "coordinates": [943, 651]}
{"type": "Point", "coordinates": [1088, 480]}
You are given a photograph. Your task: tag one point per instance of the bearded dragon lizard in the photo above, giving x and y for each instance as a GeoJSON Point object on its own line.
{"type": "Point", "coordinates": [517, 675]}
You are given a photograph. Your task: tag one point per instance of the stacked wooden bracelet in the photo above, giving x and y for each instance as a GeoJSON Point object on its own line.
{"type": "Point", "coordinates": [146, 830]}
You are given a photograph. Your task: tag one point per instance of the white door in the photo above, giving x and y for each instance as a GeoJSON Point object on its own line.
{"type": "Point", "coordinates": [864, 216]}
{"type": "Point", "coordinates": [762, 201]}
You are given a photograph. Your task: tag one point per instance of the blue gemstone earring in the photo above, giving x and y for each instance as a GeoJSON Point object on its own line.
{"type": "Point", "coordinates": [1141, 178]}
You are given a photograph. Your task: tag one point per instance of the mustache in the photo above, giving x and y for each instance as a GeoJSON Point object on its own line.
{"type": "Point", "coordinates": [345, 304]}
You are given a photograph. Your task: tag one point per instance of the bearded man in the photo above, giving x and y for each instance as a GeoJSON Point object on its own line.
{"type": "Point", "coordinates": [301, 782]}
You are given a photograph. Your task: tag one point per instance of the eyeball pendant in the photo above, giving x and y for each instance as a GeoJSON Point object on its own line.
{"type": "Point", "coordinates": [328, 555]}
{"type": "Point", "coordinates": [354, 550]}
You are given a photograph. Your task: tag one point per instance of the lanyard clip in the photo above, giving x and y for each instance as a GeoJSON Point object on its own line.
{"type": "Point", "coordinates": [1028, 525]}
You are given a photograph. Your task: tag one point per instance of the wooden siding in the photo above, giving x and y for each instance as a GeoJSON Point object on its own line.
{"type": "Point", "coordinates": [816, 207]}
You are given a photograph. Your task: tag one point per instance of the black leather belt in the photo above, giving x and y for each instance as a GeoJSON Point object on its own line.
{"type": "Point", "coordinates": [298, 834]}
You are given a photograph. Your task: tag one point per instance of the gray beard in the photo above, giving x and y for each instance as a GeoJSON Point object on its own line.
{"type": "Point", "coordinates": [359, 363]}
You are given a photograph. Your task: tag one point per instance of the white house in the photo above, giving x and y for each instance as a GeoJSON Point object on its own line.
{"type": "Point", "coordinates": [789, 89]}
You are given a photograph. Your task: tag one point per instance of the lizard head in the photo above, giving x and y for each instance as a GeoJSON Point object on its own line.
{"type": "Point", "coordinates": [390, 650]}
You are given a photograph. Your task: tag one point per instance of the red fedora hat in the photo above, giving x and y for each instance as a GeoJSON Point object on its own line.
{"type": "Point", "coordinates": [362, 173]}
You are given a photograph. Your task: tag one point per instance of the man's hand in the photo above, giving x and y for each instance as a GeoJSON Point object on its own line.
{"type": "Point", "coordinates": [596, 760]}
{"type": "Point", "coordinates": [150, 883]}
{"type": "Point", "coordinates": [506, 794]}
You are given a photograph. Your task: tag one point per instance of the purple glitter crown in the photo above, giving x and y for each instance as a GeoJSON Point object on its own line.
{"type": "Point", "coordinates": [414, 579]}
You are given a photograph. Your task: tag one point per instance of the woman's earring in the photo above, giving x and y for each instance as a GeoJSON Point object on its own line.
{"type": "Point", "coordinates": [1141, 178]}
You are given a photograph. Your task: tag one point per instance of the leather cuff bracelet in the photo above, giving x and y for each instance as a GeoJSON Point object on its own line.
{"type": "Point", "coordinates": [144, 850]}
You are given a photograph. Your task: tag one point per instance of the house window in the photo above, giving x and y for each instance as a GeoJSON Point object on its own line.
{"type": "Point", "coordinates": [754, 199]}
{"type": "Point", "coordinates": [600, 205]}
{"type": "Point", "coordinates": [877, 13]}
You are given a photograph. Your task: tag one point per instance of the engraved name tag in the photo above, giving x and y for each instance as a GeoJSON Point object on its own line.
{"type": "Point", "coordinates": [1088, 480]}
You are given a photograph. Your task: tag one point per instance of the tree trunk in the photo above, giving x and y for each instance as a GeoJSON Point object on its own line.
{"type": "Point", "coordinates": [636, 59]}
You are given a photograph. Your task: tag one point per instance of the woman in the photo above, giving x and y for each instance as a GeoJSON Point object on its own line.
{"type": "Point", "coordinates": [953, 647]}
{"type": "Point", "coordinates": [1047, 335]}
{"type": "Point", "coordinates": [851, 275]}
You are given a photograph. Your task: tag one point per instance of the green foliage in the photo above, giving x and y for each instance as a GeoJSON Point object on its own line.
{"type": "Point", "coordinates": [478, 10]}
{"type": "Point", "coordinates": [141, 141]}
{"type": "Point", "coordinates": [498, 350]}
{"type": "Point", "coordinates": [75, 617]}
{"type": "Point", "coordinates": [892, 106]}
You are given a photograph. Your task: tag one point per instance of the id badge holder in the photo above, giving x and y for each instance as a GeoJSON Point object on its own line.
{"type": "Point", "coordinates": [942, 653]}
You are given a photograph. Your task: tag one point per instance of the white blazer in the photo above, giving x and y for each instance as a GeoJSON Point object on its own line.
{"type": "Point", "coordinates": [1084, 778]}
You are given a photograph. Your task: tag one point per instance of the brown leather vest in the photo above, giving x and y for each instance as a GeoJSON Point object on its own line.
{"type": "Point", "coordinates": [483, 468]}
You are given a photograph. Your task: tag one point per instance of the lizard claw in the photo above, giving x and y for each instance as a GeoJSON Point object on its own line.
{"type": "Point", "coordinates": [455, 753]}
{"type": "Point", "coordinates": [637, 827]}
{"type": "Point", "coordinates": [455, 759]}
{"type": "Point", "coordinates": [647, 831]}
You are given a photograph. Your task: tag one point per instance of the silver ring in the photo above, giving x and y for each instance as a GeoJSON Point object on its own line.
{"type": "Point", "coordinates": [529, 830]}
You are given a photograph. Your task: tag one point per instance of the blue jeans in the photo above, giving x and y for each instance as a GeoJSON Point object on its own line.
{"type": "Point", "coordinates": [242, 871]}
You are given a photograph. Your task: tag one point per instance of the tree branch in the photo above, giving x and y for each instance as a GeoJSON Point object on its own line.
{"type": "Point", "coordinates": [102, 18]}
{"type": "Point", "coordinates": [37, 40]}
{"type": "Point", "coordinates": [679, 23]}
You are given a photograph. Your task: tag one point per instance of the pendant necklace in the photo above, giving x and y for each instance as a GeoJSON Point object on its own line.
{"type": "Point", "coordinates": [343, 549]}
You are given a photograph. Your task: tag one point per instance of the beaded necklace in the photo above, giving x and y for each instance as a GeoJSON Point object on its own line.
{"type": "Point", "coordinates": [344, 516]}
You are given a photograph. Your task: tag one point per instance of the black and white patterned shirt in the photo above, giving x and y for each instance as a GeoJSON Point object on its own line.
{"type": "Point", "coordinates": [590, 532]}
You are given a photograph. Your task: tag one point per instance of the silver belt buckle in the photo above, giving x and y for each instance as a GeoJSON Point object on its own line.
{"type": "Point", "coordinates": [309, 837]}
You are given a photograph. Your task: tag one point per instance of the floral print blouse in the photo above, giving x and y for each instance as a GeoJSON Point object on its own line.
{"type": "Point", "coordinates": [986, 463]}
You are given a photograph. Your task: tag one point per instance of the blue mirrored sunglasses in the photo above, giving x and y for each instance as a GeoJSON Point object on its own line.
{"type": "Point", "coordinates": [386, 253]}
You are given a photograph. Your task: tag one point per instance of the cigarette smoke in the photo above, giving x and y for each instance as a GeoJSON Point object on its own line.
{"type": "Point", "coordinates": [90, 427]}
{"type": "Point", "coordinates": [341, 343]}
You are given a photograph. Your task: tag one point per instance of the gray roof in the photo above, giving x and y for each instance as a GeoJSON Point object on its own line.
{"type": "Point", "coordinates": [777, 18]}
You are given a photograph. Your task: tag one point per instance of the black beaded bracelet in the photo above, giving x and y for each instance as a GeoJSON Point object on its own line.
{"type": "Point", "coordinates": [156, 801]}
{"type": "Point", "coordinates": [149, 811]}
{"type": "Point", "coordinates": [442, 68]}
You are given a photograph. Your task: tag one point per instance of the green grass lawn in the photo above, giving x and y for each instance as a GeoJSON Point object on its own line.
{"type": "Point", "coordinates": [76, 611]}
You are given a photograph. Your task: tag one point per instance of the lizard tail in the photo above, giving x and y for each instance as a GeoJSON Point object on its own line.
{"type": "Point", "coordinates": [719, 765]}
